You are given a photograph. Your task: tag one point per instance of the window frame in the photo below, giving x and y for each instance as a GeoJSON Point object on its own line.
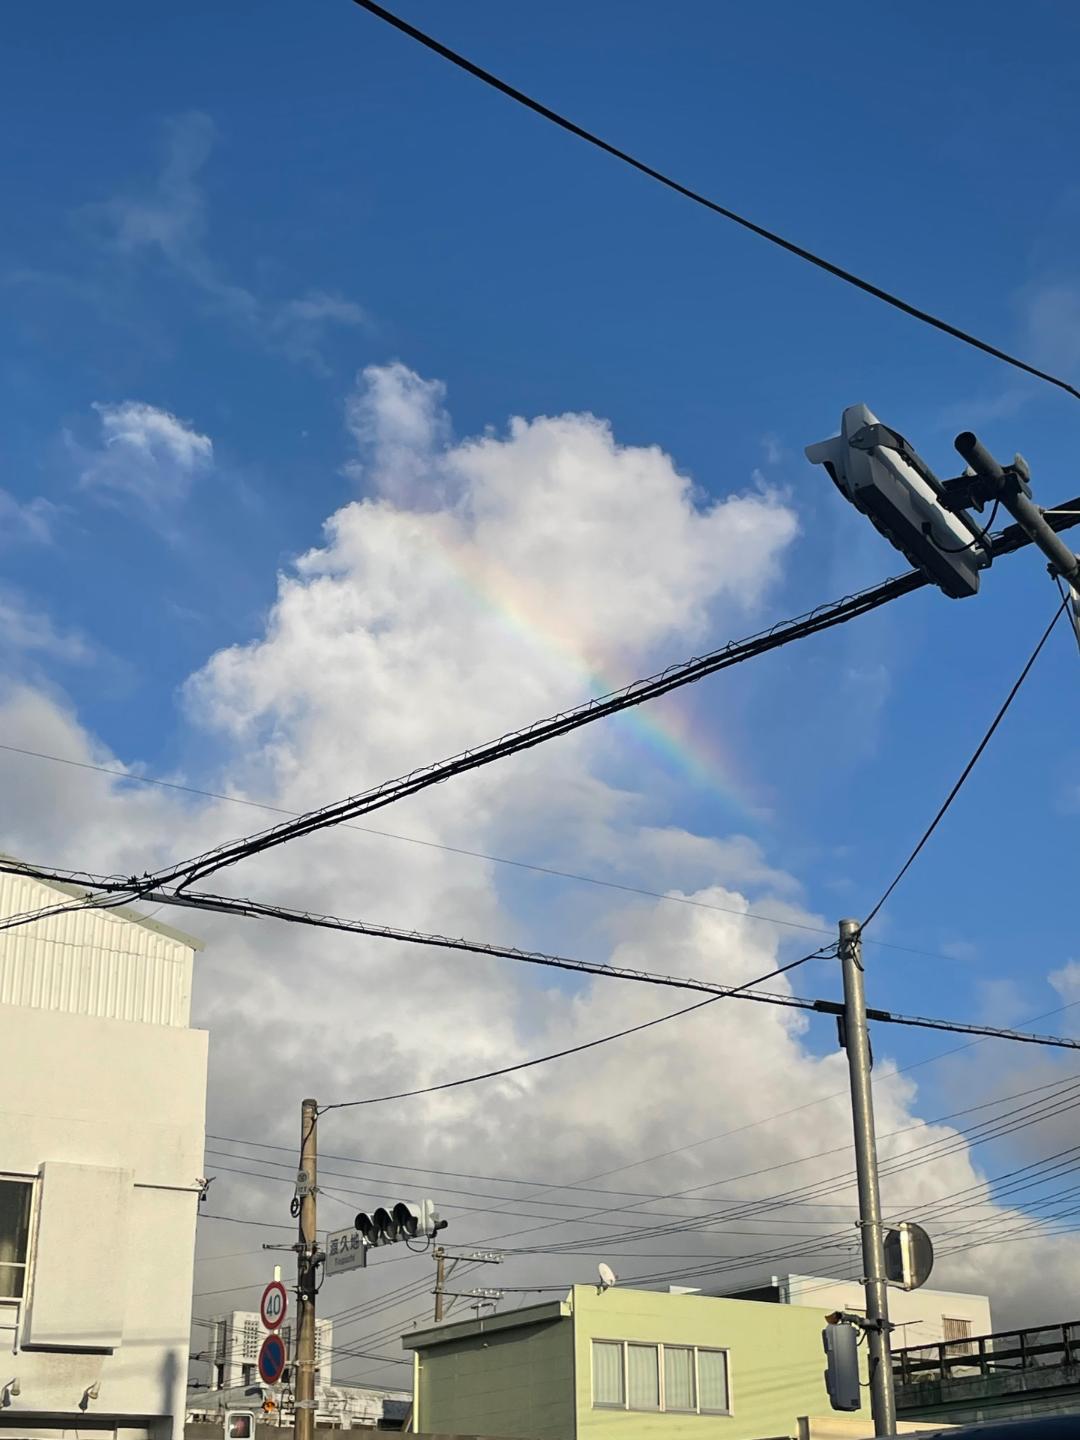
{"type": "Point", "coordinates": [23, 1265]}
{"type": "Point", "coordinates": [659, 1346]}
{"type": "Point", "coordinates": [712, 1350]}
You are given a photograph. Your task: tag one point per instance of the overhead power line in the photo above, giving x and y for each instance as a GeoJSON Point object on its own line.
{"type": "Point", "coordinates": [638, 692]}
{"type": "Point", "coordinates": [118, 773]}
{"type": "Point", "coordinates": [575, 1049]}
{"type": "Point", "coordinates": [830, 267]}
{"type": "Point", "coordinates": [1002, 710]}
{"type": "Point", "coordinates": [255, 909]}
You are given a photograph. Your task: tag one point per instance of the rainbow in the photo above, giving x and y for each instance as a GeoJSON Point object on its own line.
{"type": "Point", "coordinates": [664, 730]}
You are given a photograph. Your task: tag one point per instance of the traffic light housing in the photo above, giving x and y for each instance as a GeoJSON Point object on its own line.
{"type": "Point", "coordinates": [404, 1220]}
{"type": "Point", "coordinates": [841, 1342]}
{"type": "Point", "coordinates": [876, 469]}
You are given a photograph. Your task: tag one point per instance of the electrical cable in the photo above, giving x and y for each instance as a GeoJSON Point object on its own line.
{"type": "Point", "coordinates": [539, 732]}
{"type": "Point", "coordinates": [980, 538]}
{"type": "Point", "coordinates": [825, 617]}
{"type": "Point", "coordinates": [118, 774]}
{"type": "Point", "coordinates": [253, 909]}
{"type": "Point", "coordinates": [1002, 711]}
{"type": "Point", "coordinates": [576, 1049]}
{"type": "Point", "coordinates": [830, 268]}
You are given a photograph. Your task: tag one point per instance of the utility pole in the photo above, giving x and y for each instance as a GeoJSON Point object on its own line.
{"type": "Point", "coordinates": [440, 1281]}
{"type": "Point", "coordinates": [306, 1252]}
{"type": "Point", "coordinates": [856, 1041]}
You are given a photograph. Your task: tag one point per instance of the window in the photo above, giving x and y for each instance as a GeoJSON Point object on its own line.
{"type": "Point", "coordinates": [14, 1236]}
{"type": "Point", "coordinates": [607, 1366]}
{"type": "Point", "coordinates": [642, 1377]}
{"type": "Point", "coordinates": [679, 1388]}
{"type": "Point", "coordinates": [679, 1378]}
{"type": "Point", "coordinates": [953, 1330]}
{"type": "Point", "coordinates": [713, 1381]}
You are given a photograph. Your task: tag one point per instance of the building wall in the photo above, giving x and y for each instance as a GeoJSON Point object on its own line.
{"type": "Point", "coordinates": [918, 1314]}
{"type": "Point", "coordinates": [776, 1362]}
{"type": "Point", "coordinates": [105, 1116]}
{"type": "Point", "coordinates": [506, 1382]}
{"type": "Point", "coordinates": [235, 1340]}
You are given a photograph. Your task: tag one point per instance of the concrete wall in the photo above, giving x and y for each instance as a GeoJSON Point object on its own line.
{"type": "Point", "coordinates": [918, 1314]}
{"type": "Point", "coordinates": [775, 1368]}
{"type": "Point", "coordinates": [127, 1101]}
{"type": "Point", "coordinates": [494, 1381]}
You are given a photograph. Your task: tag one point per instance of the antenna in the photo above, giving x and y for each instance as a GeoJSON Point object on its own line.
{"type": "Point", "coordinates": [608, 1278]}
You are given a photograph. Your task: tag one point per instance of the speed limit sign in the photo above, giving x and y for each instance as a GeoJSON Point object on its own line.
{"type": "Point", "coordinates": [273, 1305]}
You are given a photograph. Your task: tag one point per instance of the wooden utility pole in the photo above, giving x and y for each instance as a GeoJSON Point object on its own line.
{"type": "Point", "coordinates": [306, 1251]}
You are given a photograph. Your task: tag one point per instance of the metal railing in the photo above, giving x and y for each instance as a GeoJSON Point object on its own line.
{"type": "Point", "coordinates": [1042, 1347]}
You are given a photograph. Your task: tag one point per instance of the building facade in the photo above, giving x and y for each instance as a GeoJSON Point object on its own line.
{"type": "Point", "coordinates": [104, 1087]}
{"type": "Point", "coordinates": [233, 1381]}
{"type": "Point", "coordinates": [918, 1317]}
{"type": "Point", "coordinates": [622, 1364]}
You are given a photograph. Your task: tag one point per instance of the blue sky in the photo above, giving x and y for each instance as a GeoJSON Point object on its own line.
{"type": "Point", "coordinates": [227, 212]}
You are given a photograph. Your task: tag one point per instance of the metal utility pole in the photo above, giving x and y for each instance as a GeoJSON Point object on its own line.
{"type": "Point", "coordinates": [1010, 486]}
{"type": "Point", "coordinates": [306, 1252]}
{"type": "Point", "coordinates": [440, 1281]}
{"type": "Point", "coordinates": [856, 1041]}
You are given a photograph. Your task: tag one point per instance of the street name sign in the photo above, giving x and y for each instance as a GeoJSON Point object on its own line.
{"type": "Point", "coordinates": [345, 1250]}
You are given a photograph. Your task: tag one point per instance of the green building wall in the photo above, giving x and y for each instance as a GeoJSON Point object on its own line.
{"type": "Point", "coordinates": [527, 1374]}
{"type": "Point", "coordinates": [489, 1378]}
{"type": "Point", "coordinates": [776, 1362]}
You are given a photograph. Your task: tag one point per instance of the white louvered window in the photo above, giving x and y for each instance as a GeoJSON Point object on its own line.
{"type": "Point", "coordinates": [954, 1330]}
{"type": "Point", "coordinates": [251, 1340]}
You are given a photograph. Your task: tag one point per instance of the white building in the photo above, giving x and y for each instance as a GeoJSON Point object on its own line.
{"type": "Point", "coordinates": [919, 1317]}
{"type": "Point", "coordinates": [232, 1359]}
{"type": "Point", "coordinates": [235, 1340]}
{"type": "Point", "coordinates": [101, 1148]}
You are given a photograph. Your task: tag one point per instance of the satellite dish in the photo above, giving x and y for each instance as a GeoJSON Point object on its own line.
{"type": "Point", "coordinates": [909, 1256]}
{"type": "Point", "coordinates": [607, 1276]}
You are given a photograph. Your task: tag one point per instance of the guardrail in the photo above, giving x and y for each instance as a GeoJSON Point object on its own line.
{"type": "Point", "coordinates": [1041, 1347]}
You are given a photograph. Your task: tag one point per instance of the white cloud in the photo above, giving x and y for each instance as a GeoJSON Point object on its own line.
{"type": "Point", "coordinates": [479, 584]}
{"type": "Point", "coordinates": [29, 520]}
{"type": "Point", "coordinates": [146, 454]}
{"type": "Point", "coordinates": [167, 221]}
{"type": "Point", "coordinates": [27, 631]}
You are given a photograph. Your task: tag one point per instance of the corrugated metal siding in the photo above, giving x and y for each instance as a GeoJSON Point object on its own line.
{"type": "Point", "coordinates": [90, 962]}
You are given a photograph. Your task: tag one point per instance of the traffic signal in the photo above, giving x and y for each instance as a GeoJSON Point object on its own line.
{"type": "Point", "coordinates": [405, 1220]}
{"type": "Point", "coordinates": [841, 1343]}
{"type": "Point", "coordinates": [877, 470]}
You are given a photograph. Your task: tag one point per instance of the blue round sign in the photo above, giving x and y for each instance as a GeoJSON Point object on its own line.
{"type": "Point", "coordinates": [271, 1359]}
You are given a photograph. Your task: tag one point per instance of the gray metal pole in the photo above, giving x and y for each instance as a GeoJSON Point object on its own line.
{"type": "Point", "coordinates": [857, 1044]}
{"type": "Point", "coordinates": [1024, 511]}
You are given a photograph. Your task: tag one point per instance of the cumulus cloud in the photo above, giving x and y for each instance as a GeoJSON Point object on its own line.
{"type": "Point", "coordinates": [476, 584]}
{"type": "Point", "coordinates": [167, 221]}
{"type": "Point", "coordinates": [145, 454]}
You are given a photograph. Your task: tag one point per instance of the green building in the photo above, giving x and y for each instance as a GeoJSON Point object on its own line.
{"type": "Point", "coordinates": [622, 1364]}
